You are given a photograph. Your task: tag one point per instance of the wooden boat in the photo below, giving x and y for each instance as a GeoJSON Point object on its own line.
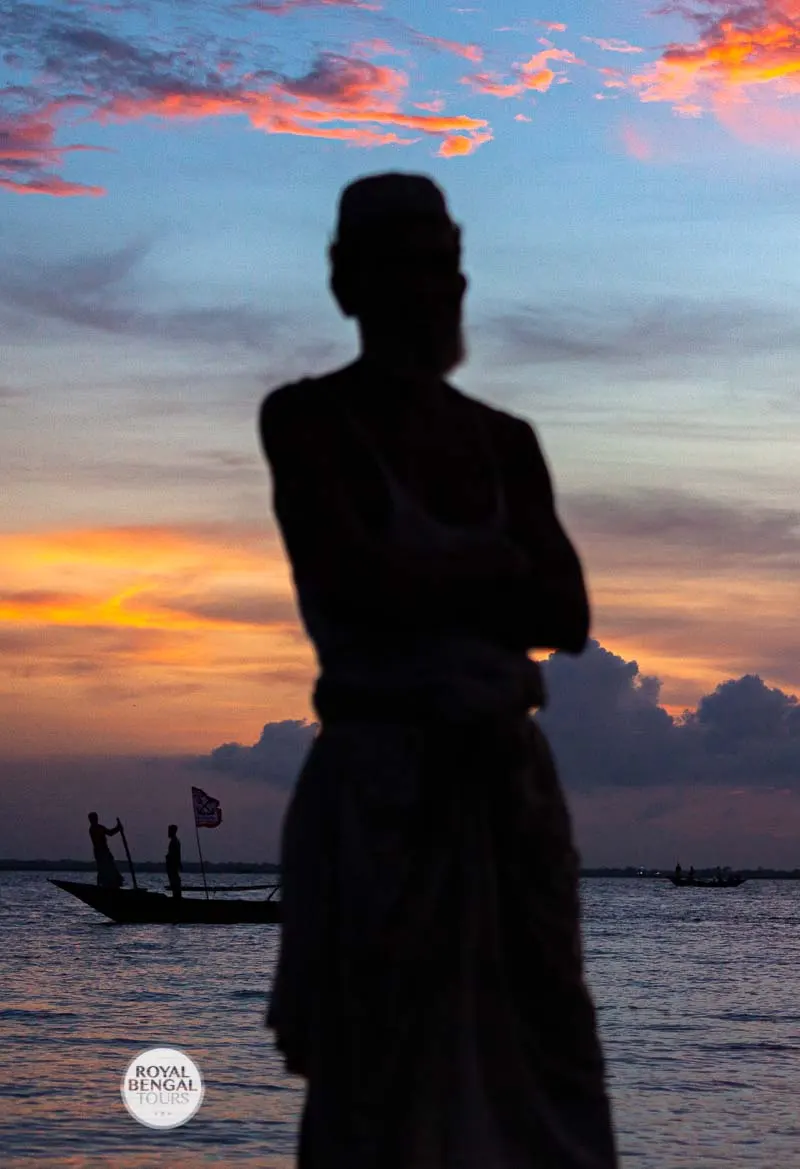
{"type": "Point", "coordinates": [707, 882]}
{"type": "Point", "coordinates": [144, 907]}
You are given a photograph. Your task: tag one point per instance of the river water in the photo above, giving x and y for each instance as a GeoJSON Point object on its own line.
{"type": "Point", "coordinates": [698, 994]}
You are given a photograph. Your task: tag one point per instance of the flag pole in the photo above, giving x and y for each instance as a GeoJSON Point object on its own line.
{"type": "Point", "coordinates": [127, 852]}
{"type": "Point", "coordinates": [200, 852]}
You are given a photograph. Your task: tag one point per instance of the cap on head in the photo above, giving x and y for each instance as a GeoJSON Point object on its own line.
{"type": "Point", "coordinates": [172, 829]}
{"type": "Point", "coordinates": [371, 202]}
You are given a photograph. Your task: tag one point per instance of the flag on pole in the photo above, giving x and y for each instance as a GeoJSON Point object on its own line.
{"type": "Point", "coordinates": [207, 810]}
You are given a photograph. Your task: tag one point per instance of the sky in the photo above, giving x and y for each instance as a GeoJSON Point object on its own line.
{"type": "Point", "coordinates": [626, 176]}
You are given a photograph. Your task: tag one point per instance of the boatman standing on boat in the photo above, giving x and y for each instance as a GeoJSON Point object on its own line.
{"type": "Point", "coordinates": [108, 875]}
{"type": "Point", "coordinates": [174, 865]}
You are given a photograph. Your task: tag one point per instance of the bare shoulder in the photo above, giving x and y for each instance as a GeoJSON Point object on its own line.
{"type": "Point", "coordinates": [285, 402]}
{"type": "Point", "coordinates": [509, 431]}
{"type": "Point", "coordinates": [301, 400]}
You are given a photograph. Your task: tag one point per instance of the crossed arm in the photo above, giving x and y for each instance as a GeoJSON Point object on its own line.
{"type": "Point", "coordinates": [528, 592]}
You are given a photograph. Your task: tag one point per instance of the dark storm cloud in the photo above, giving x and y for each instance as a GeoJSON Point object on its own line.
{"type": "Point", "coordinates": [275, 758]}
{"type": "Point", "coordinates": [608, 730]}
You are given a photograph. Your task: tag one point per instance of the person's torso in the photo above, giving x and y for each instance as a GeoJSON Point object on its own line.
{"type": "Point", "coordinates": [98, 838]}
{"type": "Point", "coordinates": [425, 481]}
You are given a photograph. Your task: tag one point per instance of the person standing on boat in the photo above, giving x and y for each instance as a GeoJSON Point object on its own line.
{"type": "Point", "coordinates": [174, 865]}
{"type": "Point", "coordinates": [108, 875]}
{"type": "Point", "coordinates": [430, 984]}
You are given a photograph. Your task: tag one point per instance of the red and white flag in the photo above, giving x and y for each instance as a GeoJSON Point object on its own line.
{"type": "Point", "coordinates": [207, 810]}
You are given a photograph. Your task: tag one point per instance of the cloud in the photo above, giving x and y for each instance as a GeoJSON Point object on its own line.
{"type": "Point", "coordinates": [28, 150]}
{"type": "Point", "coordinates": [190, 626]}
{"type": "Point", "coordinates": [679, 524]}
{"type": "Point", "coordinates": [653, 338]}
{"type": "Point", "coordinates": [287, 7]}
{"type": "Point", "coordinates": [469, 52]}
{"type": "Point", "coordinates": [742, 68]}
{"type": "Point", "coordinates": [608, 730]}
{"type": "Point", "coordinates": [99, 291]}
{"type": "Point", "coordinates": [339, 98]}
{"type": "Point", "coordinates": [74, 72]}
{"type": "Point", "coordinates": [276, 758]}
{"type": "Point", "coordinates": [636, 142]}
{"type": "Point", "coordinates": [533, 74]}
{"type": "Point", "coordinates": [613, 45]}
{"type": "Point", "coordinates": [645, 787]}
{"type": "Point", "coordinates": [145, 577]}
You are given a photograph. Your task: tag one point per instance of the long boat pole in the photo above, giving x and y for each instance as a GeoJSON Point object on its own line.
{"type": "Point", "coordinates": [127, 852]}
{"type": "Point", "coordinates": [200, 852]}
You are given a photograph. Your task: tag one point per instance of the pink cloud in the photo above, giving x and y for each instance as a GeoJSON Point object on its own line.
{"type": "Point", "coordinates": [635, 143]}
{"type": "Point", "coordinates": [341, 98]}
{"type": "Point", "coordinates": [337, 90]}
{"type": "Point", "coordinates": [286, 7]}
{"type": "Point", "coordinates": [28, 154]}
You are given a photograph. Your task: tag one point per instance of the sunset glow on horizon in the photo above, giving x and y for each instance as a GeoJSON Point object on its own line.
{"type": "Point", "coordinates": [626, 181]}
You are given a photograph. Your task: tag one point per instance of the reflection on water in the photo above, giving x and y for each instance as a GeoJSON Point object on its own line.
{"type": "Point", "coordinates": [698, 994]}
{"type": "Point", "coordinates": [697, 991]}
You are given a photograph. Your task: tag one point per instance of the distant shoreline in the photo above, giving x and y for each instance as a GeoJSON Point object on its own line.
{"type": "Point", "coordinates": [83, 866]}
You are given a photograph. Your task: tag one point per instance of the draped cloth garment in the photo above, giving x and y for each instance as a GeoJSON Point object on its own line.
{"type": "Point", "coordinates": [430, 984]}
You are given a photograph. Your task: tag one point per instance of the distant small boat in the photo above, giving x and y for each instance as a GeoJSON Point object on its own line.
{"type": "Point", "coordinates": [707, 882]}
{"type": "Point", "coordinates": [143, 907]}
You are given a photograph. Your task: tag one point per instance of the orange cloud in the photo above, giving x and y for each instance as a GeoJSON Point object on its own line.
{"type": "Point", "coordinates": [535, 73]}
{"type": "Point", "coordinates": [458, 144]}
{"type": "Point", "coordinates": [339, 90]}
{"type": "Point", "coordinates": [341, 98]}
{"type": "Point", "coordinates": [744, 68]}
{"type": "Point", "coordinates": [144, 632]}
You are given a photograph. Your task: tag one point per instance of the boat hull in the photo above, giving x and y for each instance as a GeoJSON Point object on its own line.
{"type": "Point", "coordinates": [702, 883]}
{"type": "Point", "coordinates": [142, 907]}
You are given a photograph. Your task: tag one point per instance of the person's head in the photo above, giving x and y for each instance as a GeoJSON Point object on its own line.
{"type": "Point", "coordinates": [93, 818]}
{"type": "Point", "coordinates": [395, 268]}
{"type": "Point", "coordinates": [171, 831]}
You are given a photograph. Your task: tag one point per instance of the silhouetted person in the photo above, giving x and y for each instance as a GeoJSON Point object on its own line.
{"type": "Point", "coordinates": [174, 865]}
{"type": "Point", "coordinates": [691, 875]}
{"type": "Point", "coordinates": [678, 872]}
{"type": "Point", "coordinates": [430, 986]}
{"type": "Point", "coordinates": [108, 875]}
